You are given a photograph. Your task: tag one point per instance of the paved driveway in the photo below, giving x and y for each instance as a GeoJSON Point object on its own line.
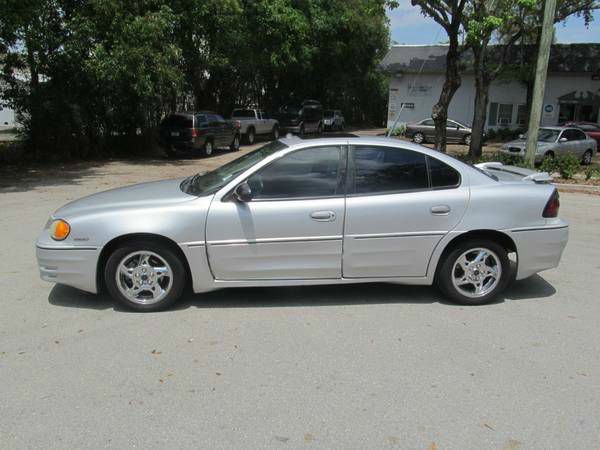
{"type": "Point", "coordinates": [369, 366]}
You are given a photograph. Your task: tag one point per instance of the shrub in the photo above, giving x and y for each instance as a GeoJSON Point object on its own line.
{"type": "Point", "coordinates": [592, 172]}
{"type": "Point", "coordinates": [400, 130]}
{"type": "Point", "coordinates": [566, 166]}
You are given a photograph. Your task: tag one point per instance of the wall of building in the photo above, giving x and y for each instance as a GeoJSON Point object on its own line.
{"type": "Point", "coordinates": [7, 118]}
{"type": "Point", "coordinates": [419, 94]}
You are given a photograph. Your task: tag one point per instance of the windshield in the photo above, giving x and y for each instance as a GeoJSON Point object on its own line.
{"type": "Point", "coordinates": [210, 182]}
{"type": "Point", "coordinates": [328, 113]}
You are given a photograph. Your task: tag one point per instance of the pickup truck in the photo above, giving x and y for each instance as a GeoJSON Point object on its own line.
{"type": "Point", "coordinates": [255, 122]}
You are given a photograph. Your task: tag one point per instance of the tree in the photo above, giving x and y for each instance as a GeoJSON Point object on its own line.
{"type": "Point", "coordinates": [450, 16]}
{"type": "Point", "coordinates": [511, 23]}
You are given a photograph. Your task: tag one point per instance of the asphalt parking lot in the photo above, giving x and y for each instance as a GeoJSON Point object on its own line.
{"type": "Point", "coordinates": [368, 366]}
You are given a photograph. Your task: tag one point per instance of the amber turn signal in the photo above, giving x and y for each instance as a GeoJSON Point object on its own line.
{"type": "Point", "coordinates": [59, 230]}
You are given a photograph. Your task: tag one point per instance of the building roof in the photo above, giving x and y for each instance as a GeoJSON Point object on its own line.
{"type": "Point", "coordinates": [573, 58]}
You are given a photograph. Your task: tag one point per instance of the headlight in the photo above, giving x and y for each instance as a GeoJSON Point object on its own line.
{"type": "Point", "coordinates": [59, 230]}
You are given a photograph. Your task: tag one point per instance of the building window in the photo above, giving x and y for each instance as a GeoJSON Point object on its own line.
{"type": "Point", "coordinates": [522, 115]}
{"type": "Point", "coordinates": [501, 114]}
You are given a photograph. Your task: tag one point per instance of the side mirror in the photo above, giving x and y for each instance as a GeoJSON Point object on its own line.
{"type": "Point", "coordinates": [243, 193]}
{"type": "Point", "coordinates": [561, 140]}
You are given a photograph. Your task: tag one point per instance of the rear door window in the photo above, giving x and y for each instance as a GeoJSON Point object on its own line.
{"type": "Point", "coordinates": [442, 175]}
{"type": "Point", "coordinates": [379, 170]}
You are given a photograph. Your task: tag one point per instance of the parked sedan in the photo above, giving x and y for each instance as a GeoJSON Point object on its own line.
{"type": "Point", "coordinates": [589, 128]}
{"type": "Point", "coordinates": [556, 141]}
{"type": "Point", "coordinates": [281, 215]}
{"type": "Point", "coordinates": [201, 131]}
{"type": "Point", "coordinates": [424, 131]}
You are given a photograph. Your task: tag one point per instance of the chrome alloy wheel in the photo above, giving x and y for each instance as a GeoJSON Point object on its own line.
{"type": "Point", "coordinates": [476, 272]}
{"type": "Point", "coordinates": [144, 277]}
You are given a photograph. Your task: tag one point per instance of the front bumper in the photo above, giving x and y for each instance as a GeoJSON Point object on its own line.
{"type": "Point", "coordinates": [70, 265]}
{"type": "Point", "coordinates": [540, 248]}
{"type": "Point", "coordinates": [521, 155]}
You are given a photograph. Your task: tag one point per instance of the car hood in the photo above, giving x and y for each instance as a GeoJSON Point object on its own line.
{"type": "Point", "coordinates": [143, 195]}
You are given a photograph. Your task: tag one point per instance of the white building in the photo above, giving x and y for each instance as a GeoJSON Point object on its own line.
{"type": "Point", "coordinates": [417, 74]}
{"type": "Point", "coordinates": [7, 118]}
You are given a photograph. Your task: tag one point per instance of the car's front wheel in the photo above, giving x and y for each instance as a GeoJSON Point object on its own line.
{"type": "Point", "coordinates": [475, 272]}
{"type": "Point", "coordinates": [145, 275]}
{"type": "Point", "coordinates": [587, 158]}
{"type": "Point", "coordinates": [418, 138]}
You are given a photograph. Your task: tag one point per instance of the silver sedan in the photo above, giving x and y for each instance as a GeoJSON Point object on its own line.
{"type": "Point", "coordinates": [309, 212]}
{"type": "Point", "coordinates": [556, 141]}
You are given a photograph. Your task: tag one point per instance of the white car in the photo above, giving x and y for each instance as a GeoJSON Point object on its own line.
{"type": "Point", "coordinates": [311, 212]}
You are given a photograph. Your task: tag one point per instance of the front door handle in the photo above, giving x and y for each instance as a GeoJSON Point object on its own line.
{"type": "Point", "coordinates": [323, 216]}
{"type": "Point", "coordinates": [440, 210]}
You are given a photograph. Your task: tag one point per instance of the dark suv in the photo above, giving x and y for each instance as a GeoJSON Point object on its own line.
{"type": "Point", "coordinates": [203, 130]}
{"type": "Point", "coordinates": [306, 117]}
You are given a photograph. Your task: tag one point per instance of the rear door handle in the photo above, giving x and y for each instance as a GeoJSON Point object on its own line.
{"type": "Point", "coordinates": [440, 210]}
{"type": "Point", "coordinates": [323, 216]}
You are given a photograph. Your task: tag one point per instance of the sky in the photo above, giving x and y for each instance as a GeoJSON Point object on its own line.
{"type": "Point", "coordinates": [409, 26]}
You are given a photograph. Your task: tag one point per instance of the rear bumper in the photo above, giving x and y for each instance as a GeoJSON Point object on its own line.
{"type": "Point", "coordinates": [539, 248]}
{"type": "Point", "coordinates": [72, 266]}
{"type": "Point", "coordinates": [289, 128]}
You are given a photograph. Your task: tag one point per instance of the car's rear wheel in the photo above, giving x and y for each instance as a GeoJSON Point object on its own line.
{"type": "Point", "coordinates": [320, 129]}
{"type": "Point", "coordinates": [418, 138]}
{"type": "Point", "coordinates": [208, 148]}
{"type": "Point", "coordinates": [275, 133]}
{"type": "Point", "coordinates": [145, 275]}
{"type": "Point", "coordinates": [467, 139]}
{"type": "Point", "coordinates": [235, 144]}
{"type": "Point", "coordinates": [475, 272]}
{"type": "Point", "coordinates": [587, 158]}
{"type": "Point", "coordinates": [302, 130]}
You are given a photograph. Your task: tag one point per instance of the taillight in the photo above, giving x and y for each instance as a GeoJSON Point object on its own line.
{"type": "Point", "coordinates": [551, 209]}
{"type": "Point", "coordinates": [195, 132]}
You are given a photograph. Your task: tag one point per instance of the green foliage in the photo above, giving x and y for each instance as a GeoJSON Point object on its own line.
{"type": "Point", "coordinates": [400, 130]}
{"type": "Point", "coordinates": [87, 76]}
{"type": "Point", "coordinates": [592, 172]}
{"type": "Point", "coordinates": [566, 165]}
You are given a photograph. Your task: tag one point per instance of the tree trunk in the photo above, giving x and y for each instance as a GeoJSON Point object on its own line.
{"type": "Point", "coordinates": [482, 89]}
{"type": "Point", "coordinates": [451, 85]}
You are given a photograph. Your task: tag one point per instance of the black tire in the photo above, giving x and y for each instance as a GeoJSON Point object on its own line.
{"type": "Point", "coordinates": [170, 152]}
{"type": "Point", "coordinates": [275, 133]}
{"type": "Point", "coordinates": [549, 155]}
{"type": "Point", "coordinates": [320, 129]}
{"type": "Point", "coordinates": [235, 144]}
{"type": "Point", "coordinates": [586, 160]}
{"type": "Point", "coordinates": [301, 130]}
{"type": "Point", "coordinates": [250, 136]}
{"type": "Point", "coordinates": [447, 269]}
{"type": "Point", "coordinates": [208, 148]}
{"type": "Point", "coordinates": [467, 139]}
{"type": "Point", "coordinates": [418, 138]}
{"type": "Point", "coordinates": [177, 268]}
